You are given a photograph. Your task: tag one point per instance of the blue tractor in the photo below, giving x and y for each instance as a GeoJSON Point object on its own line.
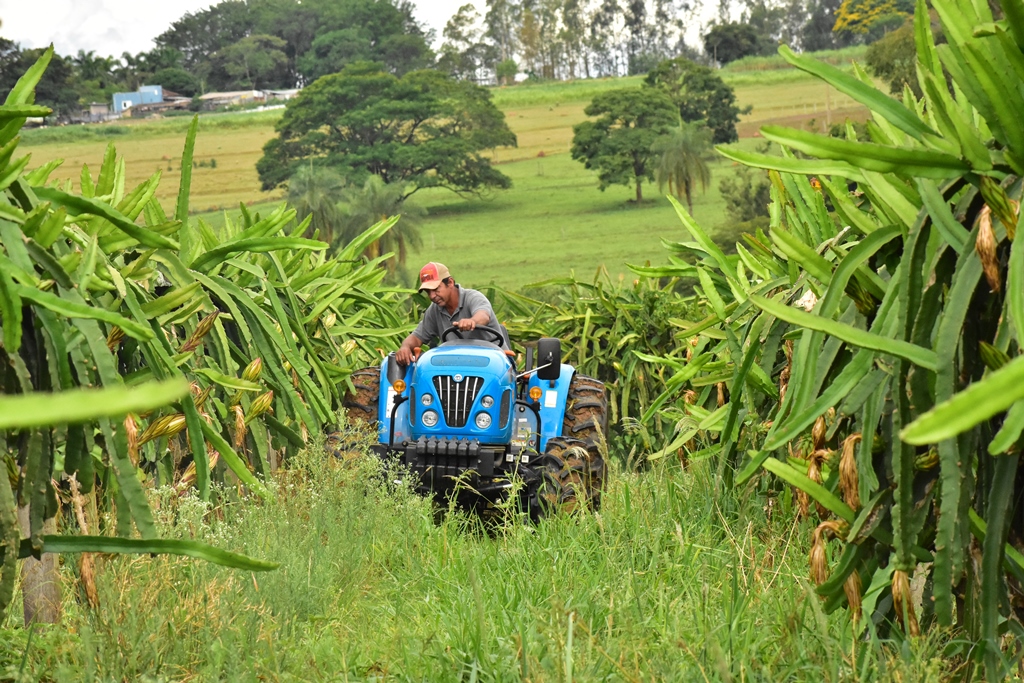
{"type": "Point", "coordinates": [466, 421]}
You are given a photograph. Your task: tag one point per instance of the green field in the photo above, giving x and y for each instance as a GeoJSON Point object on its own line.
{"type": "Point", "coordinates": [669, 582]}
{"type": "Point", "coordinates": [554, 219]}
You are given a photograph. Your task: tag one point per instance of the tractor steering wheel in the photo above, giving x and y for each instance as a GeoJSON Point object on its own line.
{"type": "Point", "coordinates": [498, 339]}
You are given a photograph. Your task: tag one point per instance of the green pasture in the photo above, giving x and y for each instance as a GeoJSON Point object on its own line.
{"type": "Point", "coordinates": [555, 220]}
{"type": "Point", "coordinates": [669, 582]}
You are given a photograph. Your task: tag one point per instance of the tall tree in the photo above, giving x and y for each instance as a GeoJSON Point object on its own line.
{"type": "Point", "coordinates": [573, 36]}
{"type": "Point", "coordinates": [366, 30]}
{"type": "Point", "coordinates": [56, 87]}
{"type": "Point", "coordinates": [423, 129]}
{"type": "Point", "coordinates": [700, 94]}
{"type": "Point", "coordinates": [682, 163]}
{"type": "Point", "coordinates": [618, 145]}
{"type": "Point", "coordinates": [817, 33]}
{"type": "Point", "coordinates": [256, 61]}
{"type": "Point", "coordinates": [376, 201]}
{"type": "Point", "coordinates": [603, 40]}
{"type": "Point", "coordinates": [317, 191]}
{"type": "Point", "coordinates": [530, 43]}
{"type": "Point", "coordinates": [893, 58]}
{"type": "Point", "coordinates": [501, 20]}
{"type": "Point", "coordinates": [868, 20]}
{"type": "Point", "coordinates": [463, 53]}
{"type": "Point", "coordinates": [197, 35]}
{"type": "Point", "coordinates": [732, 40]}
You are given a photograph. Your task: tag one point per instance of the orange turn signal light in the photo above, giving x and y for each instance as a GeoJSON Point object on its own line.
{"type": "Point", "coordinates": [535, 393]}
{"type": "Point", "coordinates": [399, 385]}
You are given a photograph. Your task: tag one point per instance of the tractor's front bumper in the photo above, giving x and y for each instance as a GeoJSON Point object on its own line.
{"type": "Point", "coordinates": [441, 463]}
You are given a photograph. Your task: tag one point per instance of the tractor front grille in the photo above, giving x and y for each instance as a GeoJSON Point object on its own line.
{"type": "Point", "coordinates": [457, 397]}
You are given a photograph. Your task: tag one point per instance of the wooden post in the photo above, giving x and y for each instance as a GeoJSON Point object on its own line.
{"type": "Point", "coordinates": [40, 582]}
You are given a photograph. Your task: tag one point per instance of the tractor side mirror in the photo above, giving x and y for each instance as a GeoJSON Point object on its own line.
{"type": "Point", "coordinates": [549, 358]}
{"type": "Point", "coordinates": [396, 371]}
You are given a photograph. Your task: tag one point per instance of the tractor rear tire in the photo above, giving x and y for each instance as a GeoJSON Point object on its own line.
{"type": "Point", "coordinates": [586, 421]}
{"type": "Point", "coordinates": [545, 494]}
{"type": "Point", "coordinates": [563, 482]}
{"type": "Point", "coordinates": [361, 412]}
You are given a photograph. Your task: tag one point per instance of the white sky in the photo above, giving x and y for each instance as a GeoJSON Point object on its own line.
{"type": "Point", "coordinates": [111, 27]}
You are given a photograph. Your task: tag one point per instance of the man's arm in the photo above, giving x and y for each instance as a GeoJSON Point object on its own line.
{"type": "Point", "coordinates": [481, 317]}
{"type": "Point", "coordinates": [404, 355]}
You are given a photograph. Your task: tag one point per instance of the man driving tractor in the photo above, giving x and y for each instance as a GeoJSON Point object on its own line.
{"type": "Point", "coordinates": [453, 306]}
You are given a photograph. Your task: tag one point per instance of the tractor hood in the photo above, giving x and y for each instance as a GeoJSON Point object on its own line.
{"type": "Point", "coordinates": [461, 390]}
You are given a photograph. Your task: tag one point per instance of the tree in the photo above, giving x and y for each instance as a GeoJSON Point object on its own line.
{"type": "Point", "coordinates": [198, 35]}
{"type": "Point", "coordinates": [366, 30]}
{"type": "Point", "coordinates": [424, 129]}
{"type": "Point", "coordinates": [618, 144]}
{"type": "Point", "coordinates": [505, 71]}
{"type": "Point", "coordinates": [682, 160]}
{"type": "Point", "coordinates": [731, 41]}
{"type": "Point", "coordinates": [464, 54]}
{"type": "Point", "coordinates": [177, 80]}
{"type": "Point", "coordinates": [700, 94]}
{"type": "Point", "coordinates": [893, 58]}
{"type": "Point", "coordinates": [747, 195]}
{"type": "Point", "coordinates": [56, 86]}
{"type": "Point", "coordinates": [256, 61]}
{"type": "Point", "coordinates": [317, 191]}
{"type": "Point", "coordinates": [376, 201]}
{"type": "Point", "coordinates": [868, 20]}
{"type": "Point", "coordinates": [500, 22]}
{"type": "Point", "coordinates": [817, 33]}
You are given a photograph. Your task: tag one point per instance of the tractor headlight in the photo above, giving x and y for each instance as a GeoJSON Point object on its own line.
{"type": "Point", "coordinates": [429, 418]}
{"type": "Point", "coordinates": [483, 420]}
{"type": "Point", "coordinates": [427, 399]}
{"type": "Point", "coordinates": [487, 401]}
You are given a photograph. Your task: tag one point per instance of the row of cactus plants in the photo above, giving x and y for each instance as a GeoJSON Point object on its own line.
{"type": "Point", "coordinates": [865, 350]}
{"type": "Point", "coordinates": [147, 346]}
{"type": "Point", "coordinates": [874, 336]}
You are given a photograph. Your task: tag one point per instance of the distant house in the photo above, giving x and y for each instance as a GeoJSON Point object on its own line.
{"type": "Point", "coordinates": [147, 94]}
{"type": "Point", "coordinates": [282, 94]}
{"type": "Point", "coordinates": [220, 99]}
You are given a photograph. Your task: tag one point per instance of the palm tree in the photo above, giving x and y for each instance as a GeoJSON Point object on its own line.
{"type": "Point", "coordinates": [683, 163]}
{"type": "Point", "coordinates": [377, 201]}
{"type": "Point", "coordinates": [317, 191]}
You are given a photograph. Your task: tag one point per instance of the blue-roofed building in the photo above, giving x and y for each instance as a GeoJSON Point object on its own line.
{"type": "Point", "coordinates": [147, 94]}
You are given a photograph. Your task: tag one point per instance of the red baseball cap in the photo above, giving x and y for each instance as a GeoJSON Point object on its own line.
{"type": "Point", "coordinates": [432, 274]}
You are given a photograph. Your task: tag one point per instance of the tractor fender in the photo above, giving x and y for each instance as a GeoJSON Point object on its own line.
{"type": "Point", "coordinates": [385, 404]}
{"type": "Point", "coordinates": [554, 395]}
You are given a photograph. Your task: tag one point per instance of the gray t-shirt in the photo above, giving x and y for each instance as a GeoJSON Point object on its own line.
{"type": "Point", "coordinates": [436, 319]}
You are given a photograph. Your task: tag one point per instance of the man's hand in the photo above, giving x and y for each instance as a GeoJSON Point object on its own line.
{"type": "Point", "coordinates": [466, 324]}
{"type": "Point", "coordinates": [404, 356]}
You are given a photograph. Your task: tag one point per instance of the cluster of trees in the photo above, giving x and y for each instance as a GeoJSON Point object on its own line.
{"type": "Point", "coordinates": [558, 39]}
{"type": "Point", "coordinates": [661, 131]}
{"type": "Point", "coordinates": [240, 44]}
{"type": "Point", "coordinates": [807, 25]}
{"type": "Point", "coordinates": [277, 44]}
{"type": "Point", "coordinates": [353, 146]}
{"type": "Point", "coordinates": [561, 39]}
{"type": "Point", "coordinates": [236, 45]}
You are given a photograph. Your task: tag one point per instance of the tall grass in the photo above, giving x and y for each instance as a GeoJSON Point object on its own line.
{"type": "Point", "coordinates": [666, 583]}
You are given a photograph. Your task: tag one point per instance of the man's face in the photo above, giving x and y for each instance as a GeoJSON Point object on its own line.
{"type": "Point", "coordinates": [441, 294]}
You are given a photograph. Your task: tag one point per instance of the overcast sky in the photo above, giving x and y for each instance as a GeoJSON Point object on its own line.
{"type": "Point", "coordinates": [111, 27]}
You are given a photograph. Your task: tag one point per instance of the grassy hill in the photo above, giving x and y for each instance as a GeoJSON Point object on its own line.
{"type": "Point", "coordinates": [553, 220]}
